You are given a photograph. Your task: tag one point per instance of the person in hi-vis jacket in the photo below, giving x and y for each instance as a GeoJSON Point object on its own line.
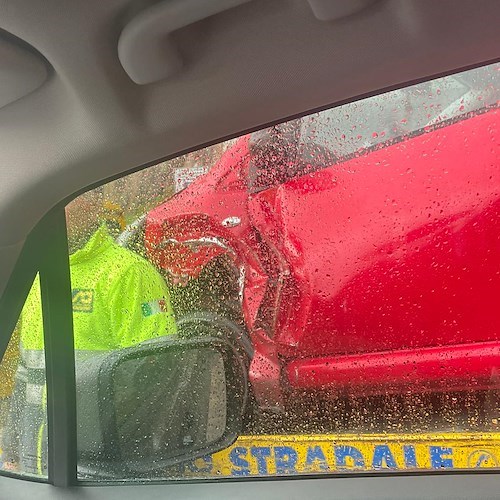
{"type": "Point", "coordinates": [118, 300]}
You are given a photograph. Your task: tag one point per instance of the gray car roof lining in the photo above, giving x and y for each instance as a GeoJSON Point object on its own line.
{"type": "Point", "coordinates": [251, 65]}
{"type": "Point", "coordinates": [22, 70]}
{"type": "Point", "coordinates": [147, 53]}
{"type": "Point", "coordinates": [326, 10]}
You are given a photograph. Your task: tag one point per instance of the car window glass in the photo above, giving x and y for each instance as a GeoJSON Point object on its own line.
{"type": "Point", "coordinates": [23, 394]}
{"type": "Point", "coordinates": [316, 297]}
{"type": "Point", "coordinates": [356, 128]}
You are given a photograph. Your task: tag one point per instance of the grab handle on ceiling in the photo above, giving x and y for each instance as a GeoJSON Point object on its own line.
{"type": "Point", "coordinates": [144, 50]}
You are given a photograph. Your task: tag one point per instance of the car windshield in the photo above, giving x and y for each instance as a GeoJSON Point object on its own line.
{"type": "Point", "coordinates": [321, 139]}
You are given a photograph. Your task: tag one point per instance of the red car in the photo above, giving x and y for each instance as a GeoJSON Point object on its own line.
{"type": "Point", "coordinates": [364, 244]}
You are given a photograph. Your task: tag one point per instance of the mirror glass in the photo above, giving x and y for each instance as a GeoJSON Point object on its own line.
{"type": "Point", "coordinates": [168, 403]}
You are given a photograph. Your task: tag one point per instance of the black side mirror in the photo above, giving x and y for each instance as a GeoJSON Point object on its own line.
{"type": "Point", "coordinates": [146, 408]}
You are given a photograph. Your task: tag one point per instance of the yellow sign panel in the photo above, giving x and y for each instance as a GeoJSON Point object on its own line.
{"type": "Point", "coordinates": [312, 454]}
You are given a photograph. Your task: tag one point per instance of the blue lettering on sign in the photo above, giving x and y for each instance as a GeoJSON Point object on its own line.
{"type": "Point", "coordinates": [261, 454]}
{"type": "Point", "coordinates": [241, 467]}
{"type": "Point", "coordinates": [383, 458]}
{"type": "Point", "coordinates": [315, 455]}
{"type": "Point", "coordinates": [342, 453]}
{"type": "Point", "coordinates": [439, 460]}
{"type": "Point", "coordinates": [285, 459]}
{"type": "Point", "coordinates": [410, 456]}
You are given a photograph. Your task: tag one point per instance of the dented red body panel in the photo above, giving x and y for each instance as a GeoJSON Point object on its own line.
{"type": "Point", "coordinates": [381, 272]}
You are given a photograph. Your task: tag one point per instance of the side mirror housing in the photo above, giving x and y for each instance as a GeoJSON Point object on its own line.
{"type": "Point", "coordinates": [146, 408]}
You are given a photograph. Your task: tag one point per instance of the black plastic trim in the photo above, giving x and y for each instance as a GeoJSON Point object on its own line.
{"type": "Point", "coordinates": [463, 486]}
{"type": "Point", "coordinates": [55, 286]}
